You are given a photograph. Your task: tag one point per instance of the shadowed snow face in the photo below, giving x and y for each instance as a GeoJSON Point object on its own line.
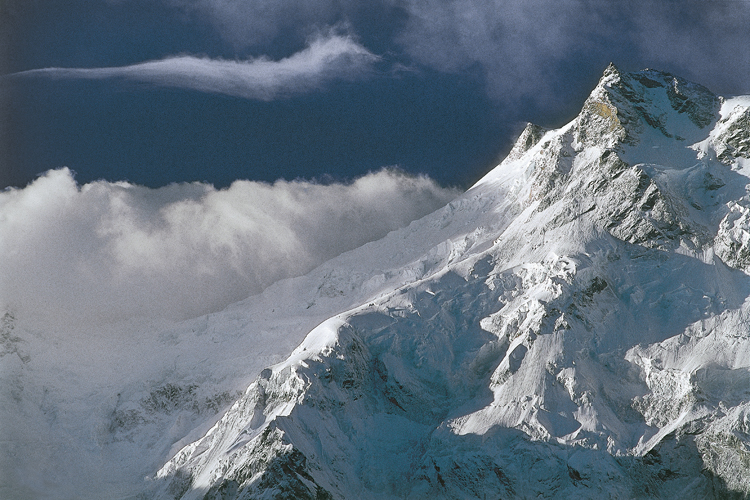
{"type": "Point", "coordinates": [108, 251]}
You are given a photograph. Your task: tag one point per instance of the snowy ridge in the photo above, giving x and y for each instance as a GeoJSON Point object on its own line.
{"type": "Point", "coordinates": [576, 325]}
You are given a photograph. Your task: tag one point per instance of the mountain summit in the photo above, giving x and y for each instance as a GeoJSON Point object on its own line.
{"type": "Point", "coordinates": [576, 325]}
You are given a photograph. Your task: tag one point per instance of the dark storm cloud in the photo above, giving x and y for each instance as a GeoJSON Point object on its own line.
{"type": "Point", "coordinates": [327, 58]}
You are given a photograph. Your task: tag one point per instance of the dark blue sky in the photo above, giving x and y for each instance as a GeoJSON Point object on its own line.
{"type": "Point", "coordinates": [244, 91]}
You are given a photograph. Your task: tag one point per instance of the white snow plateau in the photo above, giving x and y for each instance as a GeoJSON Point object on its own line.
{"type": "Point", "coordinates": [575, 325]}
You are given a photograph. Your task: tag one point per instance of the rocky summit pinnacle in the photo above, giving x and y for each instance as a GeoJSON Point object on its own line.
{"type": "Point", "coordinates": [623, 104]}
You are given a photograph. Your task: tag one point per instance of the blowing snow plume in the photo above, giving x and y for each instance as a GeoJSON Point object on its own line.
{"type": "Point", "coordinates": [109, 251]}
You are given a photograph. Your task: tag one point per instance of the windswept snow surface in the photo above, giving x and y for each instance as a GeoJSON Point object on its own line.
{"type": "Point", "coordinates": [576, 325]}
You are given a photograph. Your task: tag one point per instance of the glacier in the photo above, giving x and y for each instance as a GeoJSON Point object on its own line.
{"type": "Point", "coordinates": [575, 325]}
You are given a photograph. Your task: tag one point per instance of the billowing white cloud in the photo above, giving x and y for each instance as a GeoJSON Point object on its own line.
{"type": "Point", "coordinates": [110, 251]}
{"type": "Point", "coordinates": [327, 58]}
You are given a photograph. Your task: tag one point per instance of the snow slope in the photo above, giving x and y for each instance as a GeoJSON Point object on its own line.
{"type": "Point", "coordinates": [576, 325]}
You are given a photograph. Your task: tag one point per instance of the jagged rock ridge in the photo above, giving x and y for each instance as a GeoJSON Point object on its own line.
{"type": "Point", "coordinates": [582, 331]}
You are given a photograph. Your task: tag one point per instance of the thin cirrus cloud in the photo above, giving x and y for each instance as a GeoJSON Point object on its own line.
{"type": "Point", "coordinates": [327, 58]}
{"type": "Point", "coordinates": [104, 251]}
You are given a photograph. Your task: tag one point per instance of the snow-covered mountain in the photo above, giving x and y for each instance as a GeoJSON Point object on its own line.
{"type": "Point", "coordinates": [579, 330]}
{"type": "Point", "coordinates": [576, 325]}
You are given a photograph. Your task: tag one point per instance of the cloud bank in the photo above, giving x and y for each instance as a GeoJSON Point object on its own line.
{"type": "Point", "coordinates": [327, 58]}
{"type": "Point", "coordinates": [110, 251]}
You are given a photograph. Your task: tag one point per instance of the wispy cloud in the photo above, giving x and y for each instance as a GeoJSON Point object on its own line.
{"type": "Point", "coordinates": [249, 22]}
{"type": "Point", "coordinates": [530, 48]}
{"type": "Point", "coordinates": [327, 58]}
{"type": "Point", "coordinates": [110, 251]}
{"type": "Point", "coordinates": [525, 48]}
{"type": "Point", "coordinates": [708, 42]}
{"type": "Point", "coordinates": [514, 42]}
